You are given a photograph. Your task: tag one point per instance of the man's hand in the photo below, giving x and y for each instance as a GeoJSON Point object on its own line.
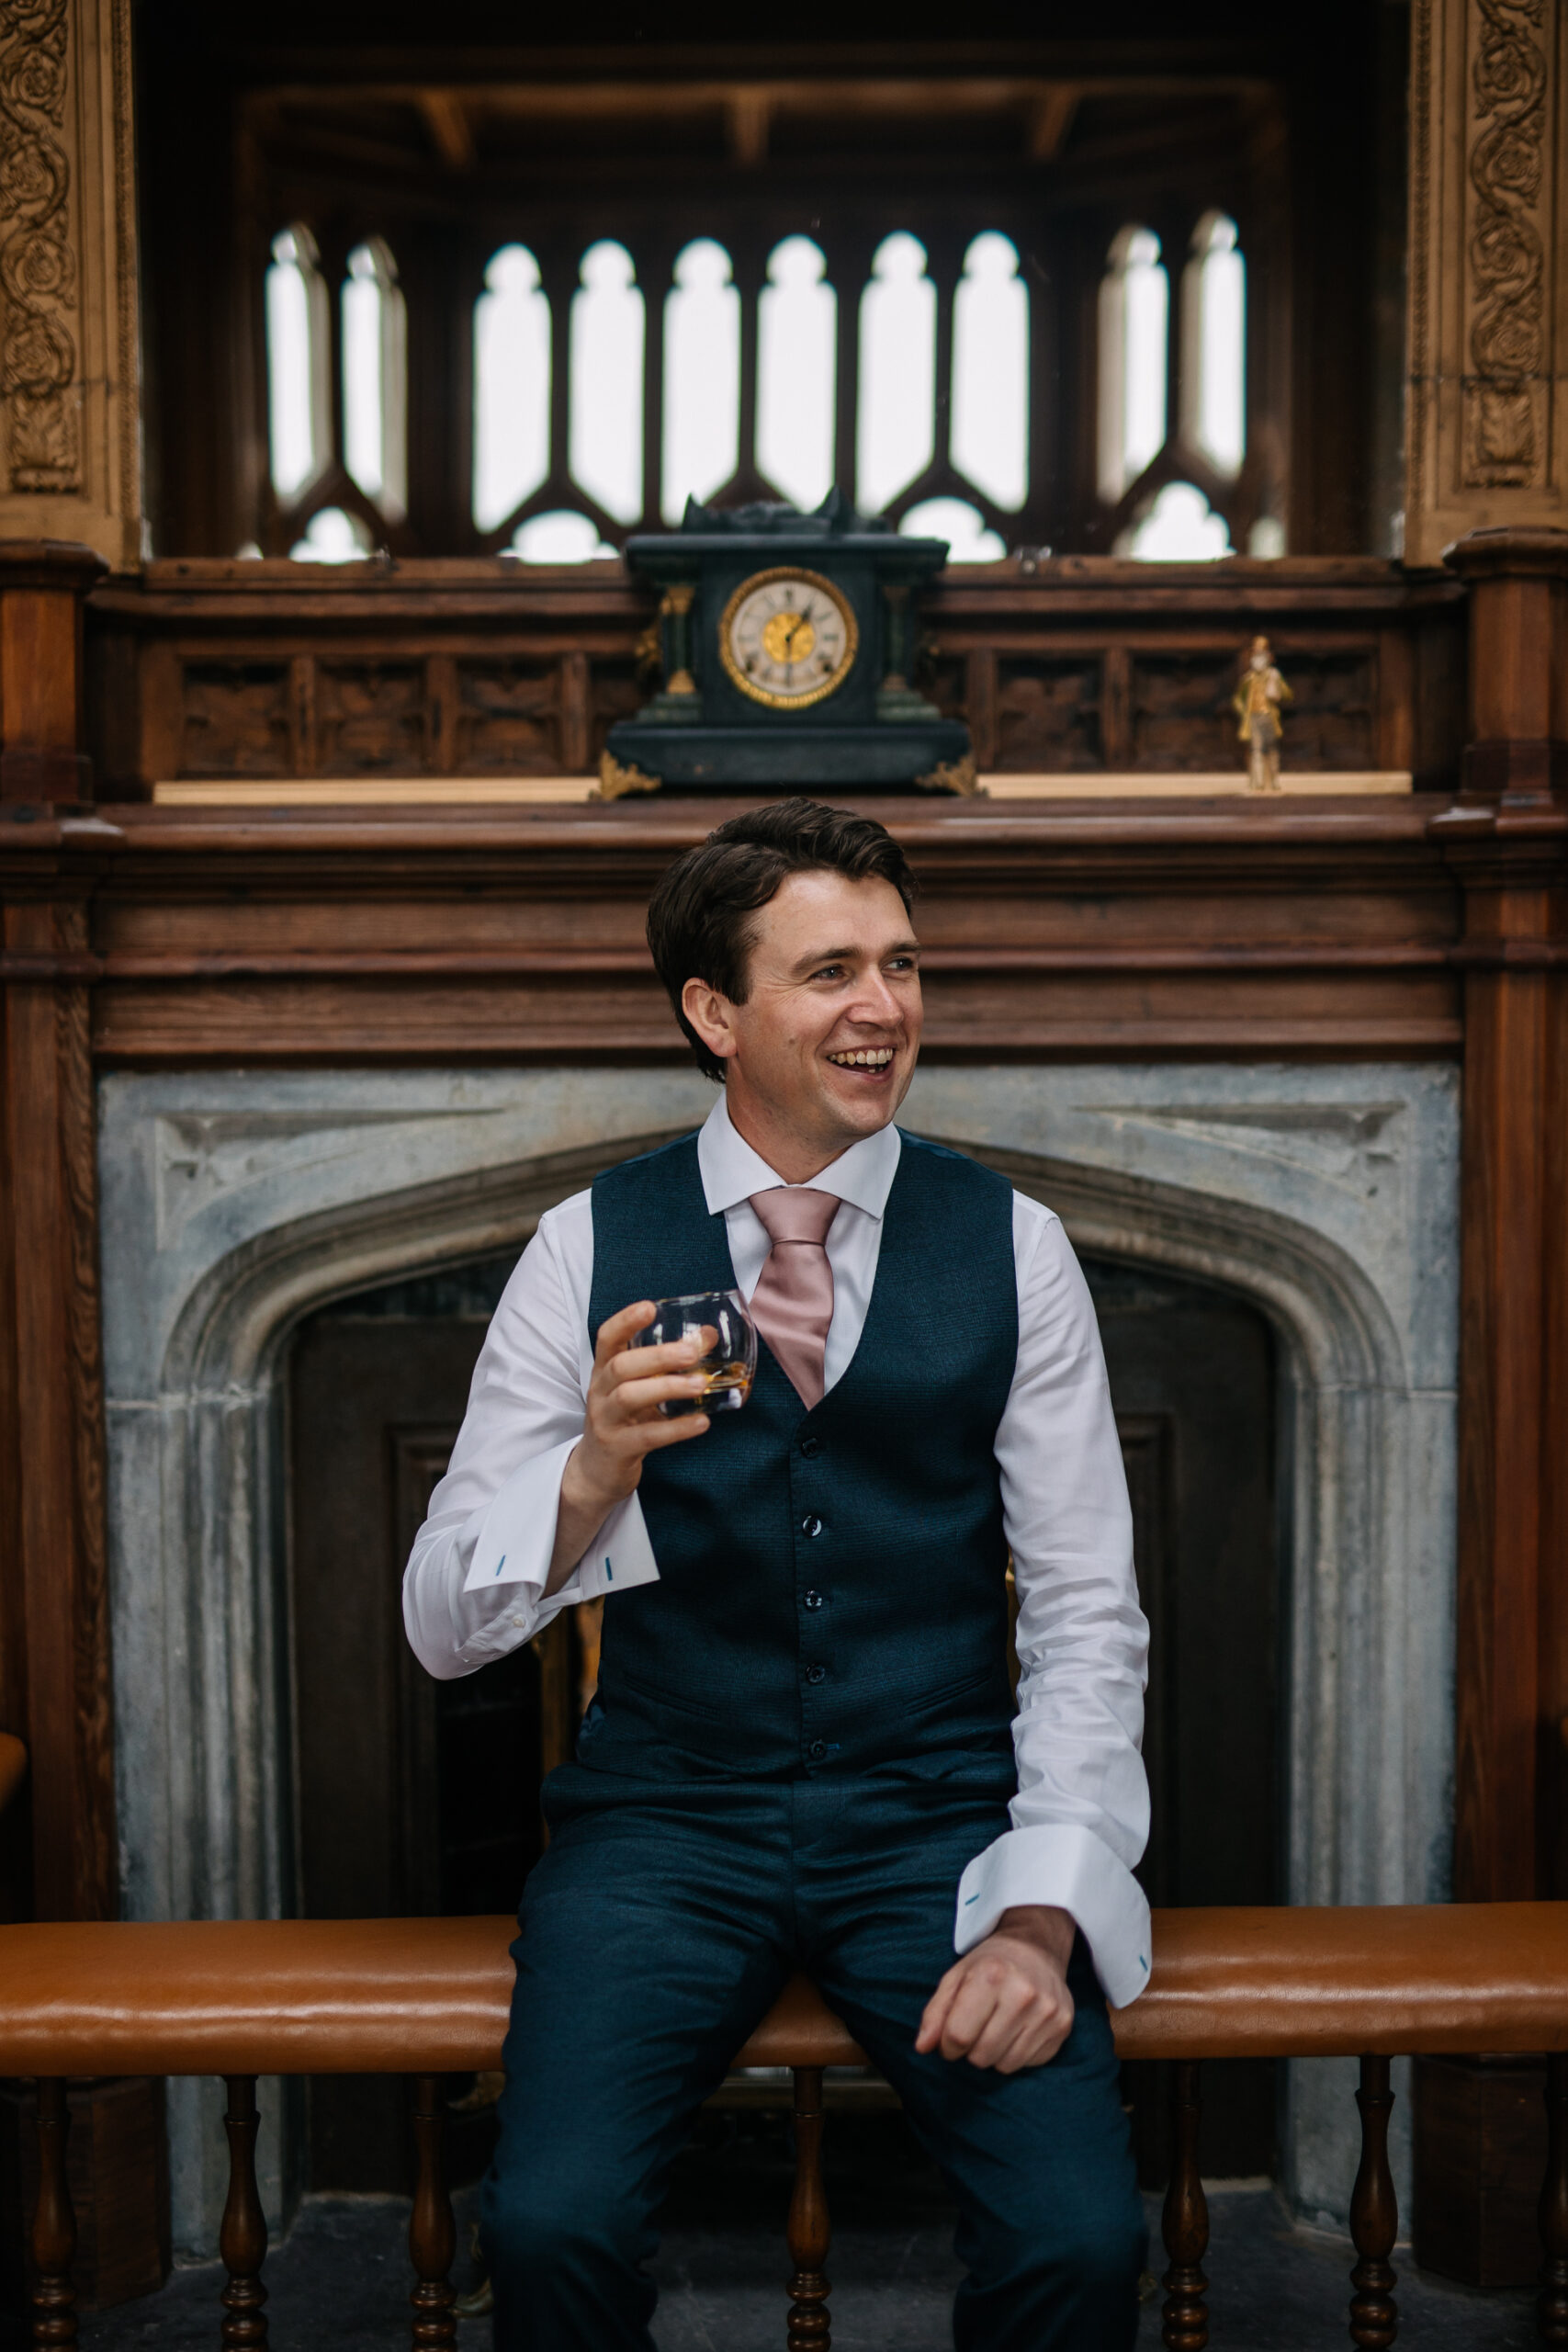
{"type": "Point", "coordinates": [623, 1425]}
{"type": "Point", "coordinates": [1006, 2004]}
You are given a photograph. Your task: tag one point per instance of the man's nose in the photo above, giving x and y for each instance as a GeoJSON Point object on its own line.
{"type": "Point", "coordinates": [874, 1000]}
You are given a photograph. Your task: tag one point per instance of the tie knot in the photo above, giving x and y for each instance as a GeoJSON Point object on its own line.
{"type": "Point", "coordinates": [795, 1212]}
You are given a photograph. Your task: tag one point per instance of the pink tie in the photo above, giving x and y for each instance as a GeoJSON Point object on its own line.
{"type": "Point", "coordinates": [793, 1303]}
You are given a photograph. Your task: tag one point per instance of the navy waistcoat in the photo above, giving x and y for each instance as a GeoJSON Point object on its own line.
{"type": "Point", "coordinates": [831, 1591]}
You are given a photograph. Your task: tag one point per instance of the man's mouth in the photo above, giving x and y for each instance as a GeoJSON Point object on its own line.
{"type": "Point", "coordinates": [868, 1057]}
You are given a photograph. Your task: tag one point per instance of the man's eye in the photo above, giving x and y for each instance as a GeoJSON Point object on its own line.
{"type": "Point", "coordinates": [829, 972]}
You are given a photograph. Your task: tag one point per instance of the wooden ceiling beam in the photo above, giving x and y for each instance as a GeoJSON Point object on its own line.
{"type": "Point", "coordinates": [748, 117]}
{"type": "Point", "coordinates": [451, 132]}
{"type": "Point", "coordinates": [1051, 121]}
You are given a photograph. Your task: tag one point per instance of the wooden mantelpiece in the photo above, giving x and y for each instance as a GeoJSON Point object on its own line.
{"type": "Point", "coordinates": [212, 935]}
{"type": "Point", "coordinates": [1075, 664]}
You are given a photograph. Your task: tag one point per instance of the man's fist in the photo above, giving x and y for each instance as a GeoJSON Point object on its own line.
{"type": "Point", "coordinates": [1006, 2004]}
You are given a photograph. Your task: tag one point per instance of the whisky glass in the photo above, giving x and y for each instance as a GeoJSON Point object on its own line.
{"type": "Point", "coordinates": [729, 1364]}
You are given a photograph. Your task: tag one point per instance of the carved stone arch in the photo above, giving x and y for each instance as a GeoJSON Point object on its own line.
{"type": "Point", "coordinates": [240, 1316]}
{"type": "Point", "coordinates": [235, 1202]}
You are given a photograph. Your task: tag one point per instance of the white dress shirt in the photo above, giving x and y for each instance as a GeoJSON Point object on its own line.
{"type": "Point", "coordinates": [474, 1587]}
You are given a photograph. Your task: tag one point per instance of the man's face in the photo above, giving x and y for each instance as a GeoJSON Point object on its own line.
{"type": "Point", "coordinates": [823, 1049]}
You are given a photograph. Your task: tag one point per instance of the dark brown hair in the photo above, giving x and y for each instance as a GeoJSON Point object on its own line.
{"type": "Point", "coordinates": [699, 919]}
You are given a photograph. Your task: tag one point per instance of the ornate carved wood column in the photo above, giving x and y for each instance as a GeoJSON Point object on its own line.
{"type": "Point", "coordinates": [70, 421]}
{"type": "Point", "coordinates": [1487, 410]}
{"type": "Point", "coordinates": [70, 504]}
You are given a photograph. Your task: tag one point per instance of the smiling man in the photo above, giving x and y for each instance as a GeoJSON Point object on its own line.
{"type": "Point", "coordinates": [803, 1752]}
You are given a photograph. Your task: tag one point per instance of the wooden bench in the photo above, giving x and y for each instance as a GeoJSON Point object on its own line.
{"type": "Point", "coordinates": [428, 1997]}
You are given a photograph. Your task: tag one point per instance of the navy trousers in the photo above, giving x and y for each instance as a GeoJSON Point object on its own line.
{"type": "Point", "coordinates": [657, 1931]}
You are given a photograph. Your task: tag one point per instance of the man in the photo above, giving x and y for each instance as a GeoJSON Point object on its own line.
{"type": "Point", "coordinates": [803, 1748]}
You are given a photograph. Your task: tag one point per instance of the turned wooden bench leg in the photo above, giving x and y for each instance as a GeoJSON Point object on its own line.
{"type": "Point", "coordinates": [433, 2230]}
{"type": "Point", "coordinates": [1551, 2305]}
{"type": "Point", "coordinates": [242, 2241]}
{"type": "Point", "coordinates": [1184, 2223]}
{"type": "Point", "coordinates": [54, 2225]}
{"type": "Point", "coordinates": [1374, 2217]}
{"type": "Point", "coordinates": [810, 2232]}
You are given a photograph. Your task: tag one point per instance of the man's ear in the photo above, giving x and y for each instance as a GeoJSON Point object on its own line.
{"type": "Point", "coordinates": [712, 1016]}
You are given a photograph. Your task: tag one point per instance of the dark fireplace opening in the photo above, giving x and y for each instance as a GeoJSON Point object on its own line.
{"type": "Point", "coordinates": [416, 1797]}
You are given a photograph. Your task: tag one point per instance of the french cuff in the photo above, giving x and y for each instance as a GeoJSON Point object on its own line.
{"type": "Point", "coordinates": [518, 1537]}
{"type": "Point", "coordinates": [1066, 1865]}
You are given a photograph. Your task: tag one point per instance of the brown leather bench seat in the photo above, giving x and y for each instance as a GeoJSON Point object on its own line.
{"type": "Point", "coordinates": [430, 1996]}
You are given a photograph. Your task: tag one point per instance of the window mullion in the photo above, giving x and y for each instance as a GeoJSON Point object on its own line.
{"type": "Point", "coordinates": [847, 270]}
{"type": "Point", "coordinates": [655, 270]}
{"type": "Point", "coordinates": [558, 280]}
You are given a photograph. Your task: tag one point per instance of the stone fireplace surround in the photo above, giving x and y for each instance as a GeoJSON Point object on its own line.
{"type": "Point", "coordinates": [233, 1203]}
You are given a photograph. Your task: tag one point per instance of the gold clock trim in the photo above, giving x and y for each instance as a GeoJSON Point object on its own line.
{"type": "Point", "coordinates": [835, 597]}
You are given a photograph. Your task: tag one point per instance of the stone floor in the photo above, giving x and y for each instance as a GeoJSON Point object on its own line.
{"type": "Point", "coordinates": [341, 2275]}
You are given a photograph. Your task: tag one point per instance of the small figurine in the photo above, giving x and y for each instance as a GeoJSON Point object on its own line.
{"type": "Point", "coordinates": [1256, 703]}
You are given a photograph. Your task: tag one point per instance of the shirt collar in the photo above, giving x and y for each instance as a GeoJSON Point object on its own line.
{"type": "Point", "coordinates": [732, 1171]}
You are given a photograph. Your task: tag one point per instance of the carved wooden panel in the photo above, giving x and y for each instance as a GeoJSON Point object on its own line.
{"type": "Point", "coordinates": [507, 718]}
{"type": "Point", "coordinates": [1181, 711]}
{"type": "Point", "coordinates": [1182, 716]}
{"type": "Point", "coordinates": [1047, 716]}
{"type": "Point", "coordinates": [1331, 721]}
{"type": "Point", "coordinates": [615, 694]}
{"type": "Point", "coordinates": [1488, 303]}
{"type": "Point", "coordinates": [370, 718]}
{"type": "Point", "coordinates": [944, 678]}
{"type": "Point", "coordinates": [235, 719]}
{"type": "Point", "coordinates": [70, 432]}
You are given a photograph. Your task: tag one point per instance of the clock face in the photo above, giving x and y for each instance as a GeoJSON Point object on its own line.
{"type": "Point", "coordinates": [788, 638]}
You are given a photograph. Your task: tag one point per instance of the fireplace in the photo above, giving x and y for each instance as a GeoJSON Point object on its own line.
{"type": "Point", "coordinates": [1316, 1205]}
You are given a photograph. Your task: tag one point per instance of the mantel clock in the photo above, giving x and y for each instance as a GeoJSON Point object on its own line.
{"type": "Point", "coordinates": [787, 642]}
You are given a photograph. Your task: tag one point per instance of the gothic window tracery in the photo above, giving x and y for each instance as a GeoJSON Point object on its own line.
{"type": "Point", "coordinates": [613, 377]}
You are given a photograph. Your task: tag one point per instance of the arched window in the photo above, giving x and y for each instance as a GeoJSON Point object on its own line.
{"type": "Point", "coordinates": [605, 431]}
{"type": "Point", "coordinates": [1214, 346]}
{"type": "Point", "coordinates": [1134, 301]}
{"type": "Point", "coordinates": [374, 377]}
{"type": "Point", "coordinates": [1179, 527]}
{"type": "Point", "coordinates": [961, 525]}
{"type": "Point", "coordinates": [990, 371]}
{"type": "Point", "coordinates": [333, 536]}
{"type": "Point", "coordinates": [512, 386]}
{"type": "Point", "coordinates": [896, 426]}
{"type": "Point", "coordinates": [298, 383]}
{"type": "Point", "coordinates": [560, 537]}
{"type": "Point", "coordinates": [796, 330]}
{"type": "Point", "coordinates": [702, 376]}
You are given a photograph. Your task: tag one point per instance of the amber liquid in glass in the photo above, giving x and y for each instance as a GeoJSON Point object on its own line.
{"type": "Point", "coordinates": [726, 1387]}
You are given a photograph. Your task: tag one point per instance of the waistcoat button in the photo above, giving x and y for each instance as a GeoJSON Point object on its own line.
{"type": "Point", "coordinates": [811, 1524]}
{"type": "Point", "coordinates": [816, 1674]}
{"type": "Point", "coordinates": [814, 1600]}
{"type": "Point", "coordinates": [818, 1750]}
{"type": "Point", "coordinates": [810, 1446]}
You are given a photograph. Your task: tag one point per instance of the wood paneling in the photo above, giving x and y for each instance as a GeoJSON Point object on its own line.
{"type": "Point", "coordinates": [1480, 2153]}
{"type": "Point", "coordinates": [1508, 843]}
{"type": "Point", "coordinates": [56, 1612]}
